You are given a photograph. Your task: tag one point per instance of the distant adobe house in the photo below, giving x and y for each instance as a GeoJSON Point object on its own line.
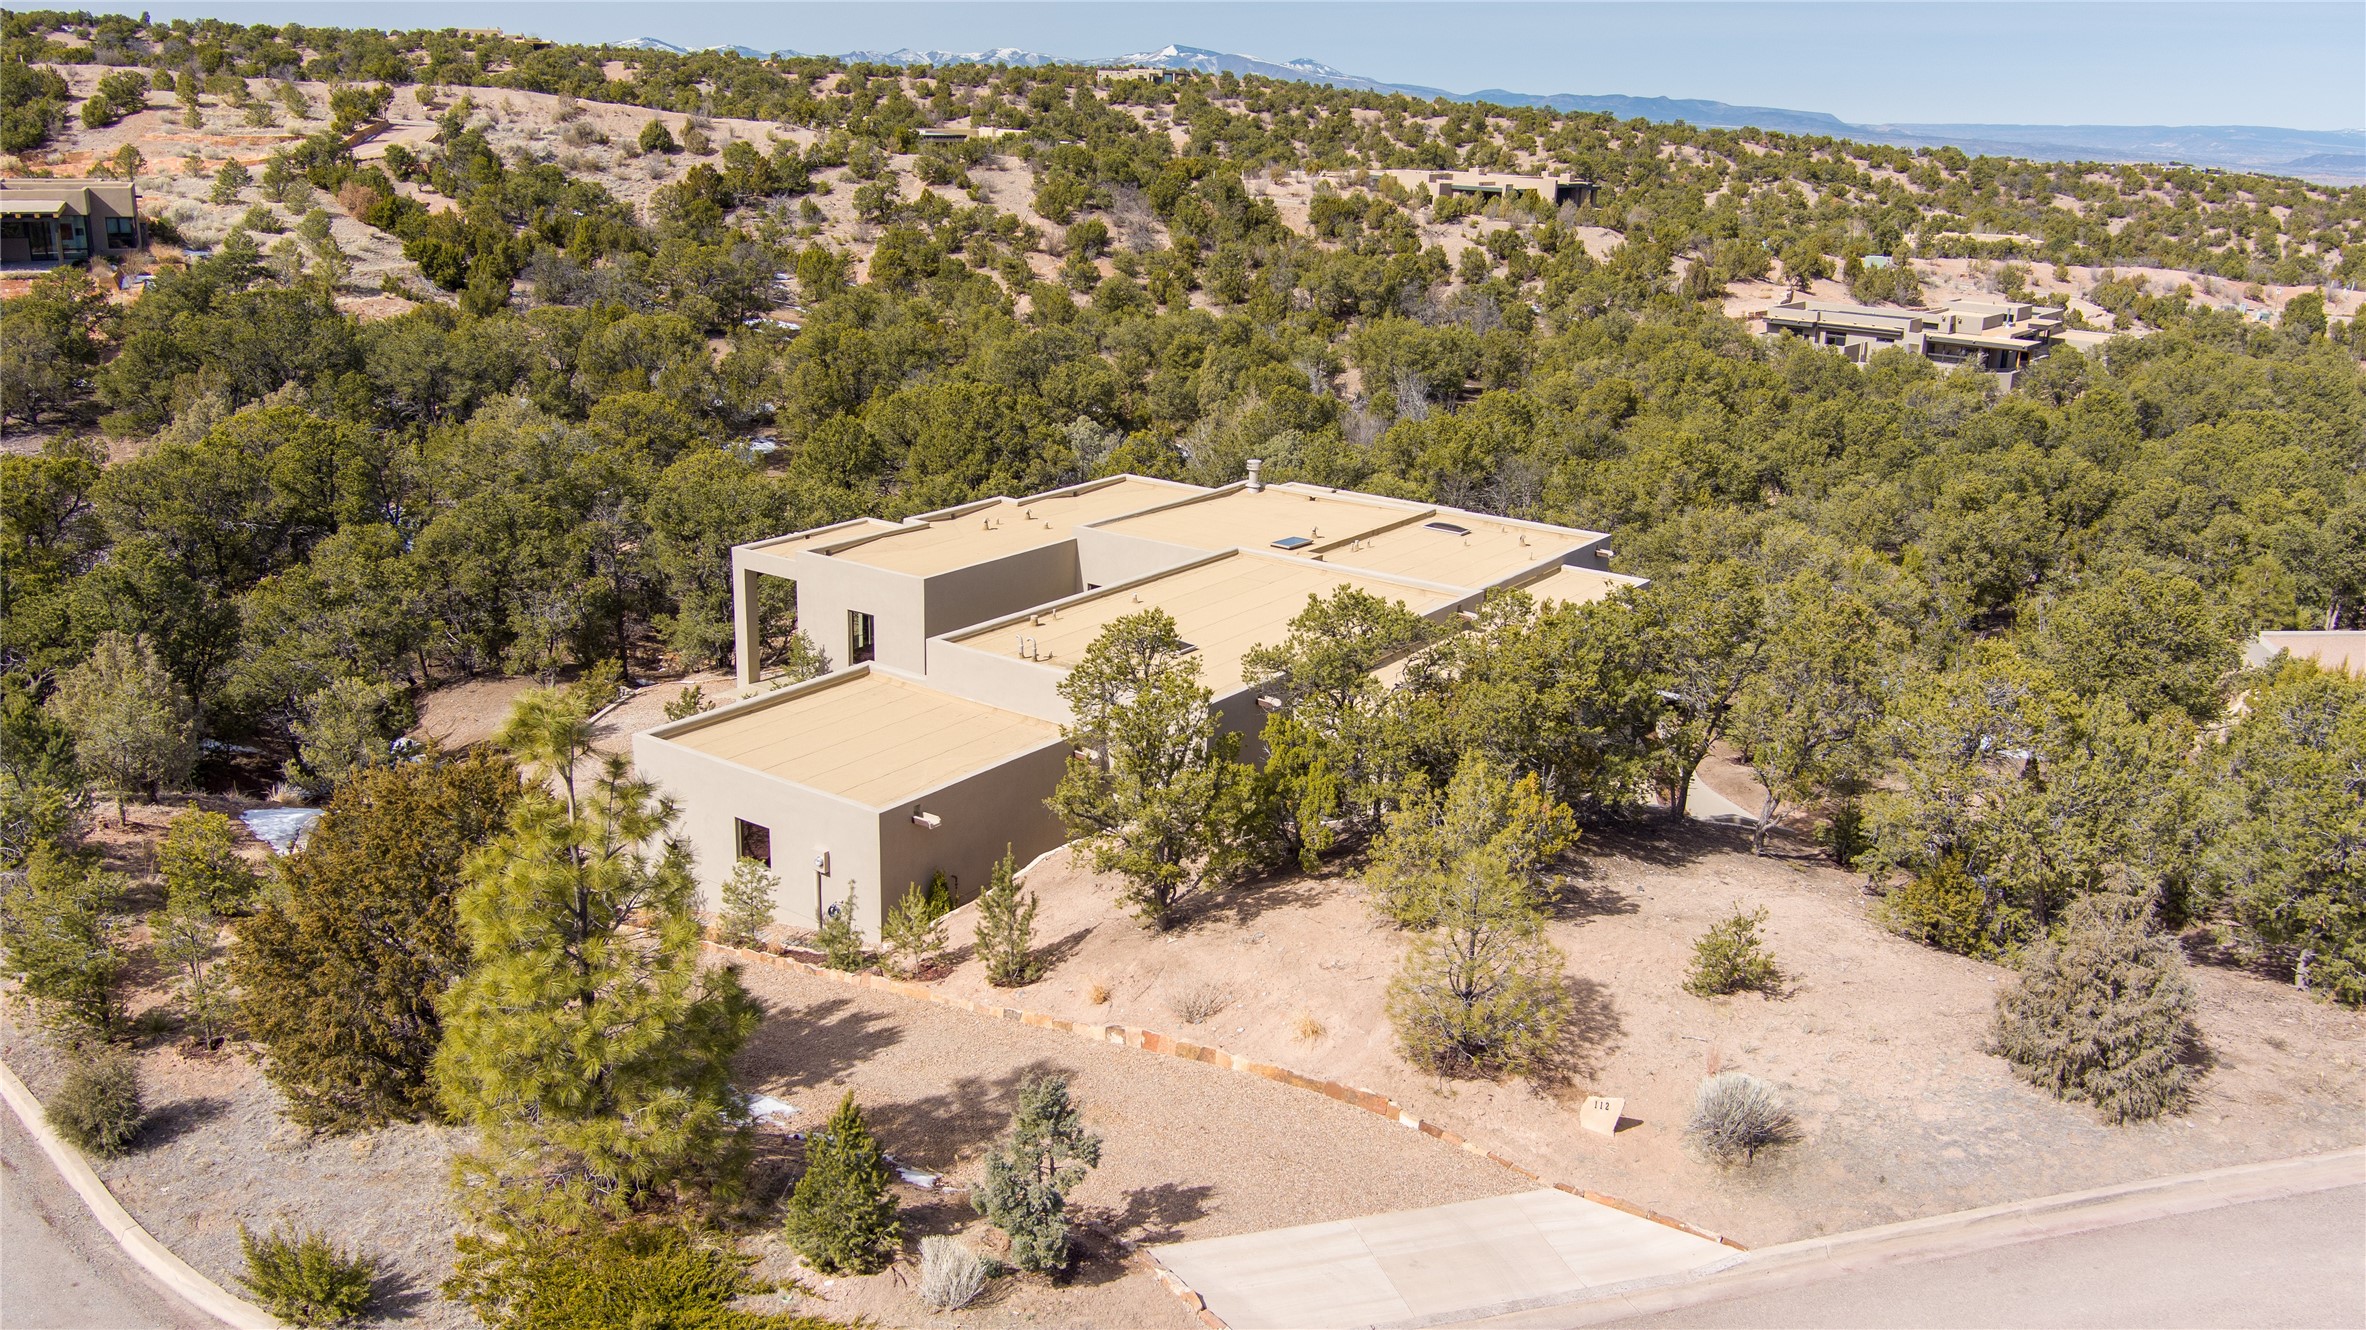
{"type": "Point", "coordinates": [1553, 189]}
{"type": "Point", "coordinates": [2000, 336]}
{"type": "Point", "coordinates": [48, 222]}
{"type": "Point", "coordinates": [2343, 650]}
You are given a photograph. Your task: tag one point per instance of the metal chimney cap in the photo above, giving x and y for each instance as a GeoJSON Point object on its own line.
{"type": "Point", "coordinates": [1256, 464]}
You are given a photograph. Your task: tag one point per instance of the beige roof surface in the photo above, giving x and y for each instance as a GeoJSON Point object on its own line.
{"type": "Point", "coordinates": [1577, 586]}
{"type": "Point", "coordinates": [1493, 550]}
{"type": "Point", "coordinates": [1254, 519]}
{"type": "Point", "coordinates": [859, 527]}
{"type": "Point", "coordinates": [1224, 607]}
{"type": "Point", "coordinates": [2336, 650]}
{"type": "Point", "coordinates": [1008, 526]}
{"type": "Point", "coordinates": [874, 738]}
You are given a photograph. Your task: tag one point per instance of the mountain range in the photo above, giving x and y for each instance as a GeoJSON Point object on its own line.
{"type": "Point", "coordinates": [2336, 156]}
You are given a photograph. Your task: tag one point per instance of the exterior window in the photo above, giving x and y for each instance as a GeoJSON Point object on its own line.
{"type": "Point", "coordinates": [755, 842]}
{"type": "Point", "coordinates": [862, 641]}
{"type": "Point", "coordinates": [122, 232]}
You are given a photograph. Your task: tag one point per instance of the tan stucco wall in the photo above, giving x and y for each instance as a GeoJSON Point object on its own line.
{"type": "Point", "coordinates": [712, 793]}
{"type": "Point", "coordinates": [979, 814]}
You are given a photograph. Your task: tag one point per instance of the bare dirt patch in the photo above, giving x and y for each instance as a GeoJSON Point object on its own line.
{"type": "Point", "coordinates": [1189, 1151]}
{"type": "Point", "coordinates": [1878, 1042]}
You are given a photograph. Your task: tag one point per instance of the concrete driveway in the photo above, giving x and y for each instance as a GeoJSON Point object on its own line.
{"type": "Point", "coordinates": [1427, 1267]}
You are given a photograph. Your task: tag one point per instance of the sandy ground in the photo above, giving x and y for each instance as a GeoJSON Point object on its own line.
{"type": "Point", "coordinates": [1188, 1151]}
{"type": "Point", "coordinates": [1878, 1042]}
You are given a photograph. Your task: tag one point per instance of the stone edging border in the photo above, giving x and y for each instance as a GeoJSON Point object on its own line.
{"type": "Point", "coordinates": [1152, 1041]}
{"type": "Point", "coordinates": [177, 1275]}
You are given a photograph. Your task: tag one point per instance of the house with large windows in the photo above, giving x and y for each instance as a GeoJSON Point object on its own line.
{"type": "Point", "coordinates": [934, 738]}
{"type": "Point", "coordinates": [48, 222]}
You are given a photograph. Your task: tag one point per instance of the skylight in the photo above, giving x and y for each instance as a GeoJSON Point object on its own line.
{"type": "Point", "coordinates": [1292, 543]}
{"type": "Point", "coordinates": [1448, 527]}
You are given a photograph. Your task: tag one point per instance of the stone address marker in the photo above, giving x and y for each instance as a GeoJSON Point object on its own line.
{"type": "Point", "coordinates": [1601, 1114]}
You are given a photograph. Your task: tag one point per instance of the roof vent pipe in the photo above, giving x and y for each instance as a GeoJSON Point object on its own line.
{"type": "Point", "coordinates": [1256, 465]}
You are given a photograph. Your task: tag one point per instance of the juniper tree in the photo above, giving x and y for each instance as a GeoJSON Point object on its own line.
{"type": "Point", "coordinates": [841, 1217]}
{"type": "Point", "coordinates": [595, 1062]}
{"type": "Point", "coordinates": [1807, 719]}
{"type": "Point", "coordinates": [340, 973]}
{"type": "Point", "coordinates": [186, 937]}
{"type": "Point", "coordinates": [1163, 802]}
{"type": "Point", "coordinates": [2100, 1011]}
{"type": "Point", "coordinates": [1006, 928]}
{"type": "Point", "coordinates": [1484, 812]}
{"type": "Point", "coordinates": [1032, 1170]}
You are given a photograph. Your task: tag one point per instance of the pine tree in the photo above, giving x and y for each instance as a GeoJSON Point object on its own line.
{"type": "Point", "coordinates": [185, 937]}
{"type": "Point", "coordinates": [63, 944]}
{"type": "Point", "coordinates": [133, 726]}
{"type": "Point", "coordinates": [2100, 1011]}
{"type": "Point", "coordinates": [200, 864]}
{"type": "Point", "coordinates": [747, 904]}
{"type": "Point", "coordinates": [595, 1064]}
{"type": "Point", "coordinates": [340, 973]}
{"type": "Point", "coordinates": [913, 933]}
{"type": "Point", "coordinates": [842, 1217]}
{"type": "Point", "coordinates": [1006, 928]}
{"type": "Point", "coordinates": [1032, 1170]}
{"type": "Point", "coordinates": [1482, 990]}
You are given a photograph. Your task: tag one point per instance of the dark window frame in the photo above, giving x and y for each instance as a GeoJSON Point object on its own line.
{"type": "Point", "coordinates": [754, 840]}
{"type": "Point", "coordinates": [862, 637]}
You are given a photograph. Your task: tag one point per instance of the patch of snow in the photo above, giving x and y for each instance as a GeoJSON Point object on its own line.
{"type": "Point", "coordinates": [283, 829]}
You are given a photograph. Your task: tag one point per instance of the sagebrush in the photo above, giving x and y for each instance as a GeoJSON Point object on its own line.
{"type": "Point", "coordinates": [1736, 1115]}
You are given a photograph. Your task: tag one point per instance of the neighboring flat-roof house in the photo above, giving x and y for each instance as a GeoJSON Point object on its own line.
{"type": "Point", "coordinates": [48, 222]}
{"type": "Point", "coordinates": [2001, 336]}
{"type": "Point", "coordinates": [2335, 649]}
{"type": "Point", "coordinates": [935, 740]}
{"type": "Point", "coordinates": [1553, 189]}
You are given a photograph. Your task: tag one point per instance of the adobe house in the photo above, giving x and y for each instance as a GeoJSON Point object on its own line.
{"type": "Point", "coordinates": [1997, 336]}
{"type": "Point", "coordinates": [935, 739]}
{"type": "Point", "coordinates": [47, 222]}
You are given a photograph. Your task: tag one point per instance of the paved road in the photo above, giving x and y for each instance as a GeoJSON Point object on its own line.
{"type": "Point", "coordinates": [58, 1269]}
{"type": "Point", "coordinates": [2299, 1261]}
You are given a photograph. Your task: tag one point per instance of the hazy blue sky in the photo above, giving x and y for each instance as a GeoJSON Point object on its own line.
{"type": "Point", "coordinates": [2297, 65]}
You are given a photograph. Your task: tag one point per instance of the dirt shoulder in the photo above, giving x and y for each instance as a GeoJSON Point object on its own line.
{"type": "Point", "coordinates": [1878, 1043]}
{"type": "Point", "coordinates": [1188, 1151]}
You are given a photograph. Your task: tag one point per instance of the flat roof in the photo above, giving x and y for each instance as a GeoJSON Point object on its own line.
{"type": "Point", "coordinates": [2334, 649]}
{"type": "Point", "coordinates": [823, 535]}
{"type": "Point", "coordinates": [1223, 606]}
{"type": "Point", "coordinates": [1480, 552]}
{"type": "Point", "coordinates": [1241, 518]}
{"type": "Point", "coordinates": [1571, 585]}
{"type": "Point", "coordinates": [1004, 527]}
{"type": "Point", "coordinates": [31, 207]}
{"type": "Point", "coordinates": [869, 737]}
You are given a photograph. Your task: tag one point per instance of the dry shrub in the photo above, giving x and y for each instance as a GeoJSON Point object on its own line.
{"type": "Point", "coordinates": [356, 198]}
{"type": "Point", "coordinates": [1097, 992]}
{"type": "Point", "coordinates": [1198, 1002]}
{"type": "Point", "coordinates": [1309, 1029]}
{"type": "Point", "coordinates": [1735, 1115]}
{"type": "Point", "coordinates": [950, 1274]}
